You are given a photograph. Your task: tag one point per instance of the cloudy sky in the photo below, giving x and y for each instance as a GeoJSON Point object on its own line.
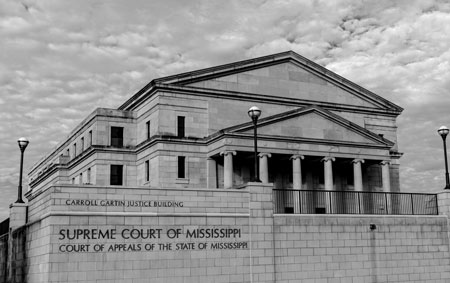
{"type": "Point", "coordinates": [59, 60]}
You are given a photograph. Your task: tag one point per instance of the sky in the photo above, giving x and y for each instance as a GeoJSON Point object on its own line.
{"type": "Point", "coordinates": [59, 60]}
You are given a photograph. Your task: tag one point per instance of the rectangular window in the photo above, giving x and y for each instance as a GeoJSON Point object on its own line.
{"type": "Point", "coordinates": [88, 176]}
{"type": "Point", "coordinates": [73, 181]}
{"type": "Point", "coordinates": [81, 178]}
{"type": "Point", "coordinates": [147, 129]}
{"type": "Point", "coordinates": [90, 137]}
{"type": "Point", "coordinates": [117, 136]}
{"type": "Point", "coordinates": [82, 144]}
{"type": "Point", "coordinates": [180, 126]}
{"type": "Point", "coordinates": [378, 178]}
{"type": "Point", "coordinates": [304, 176]}
{"type": "Point", "coordinates": [116, 175]}
{"type": "Point", "coordinates": [68, 152]}
{"type": "Point", "coordinates": [147, 170]}
{"type": "Point", "coordinates": [74, 150]}
{"type": "Point", "coordinates": [181, 167]}
{"type": "Point", "coordinates": [350, 176]}
{"type": "Point", "coordinates": [321, 177]}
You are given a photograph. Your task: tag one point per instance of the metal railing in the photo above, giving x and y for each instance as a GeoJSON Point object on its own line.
{"type": "Point", "coordinates": [352, 202]}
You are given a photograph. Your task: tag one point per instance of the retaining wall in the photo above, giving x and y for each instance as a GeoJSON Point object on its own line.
{"type": "Point", "coordinates": [100, 234]}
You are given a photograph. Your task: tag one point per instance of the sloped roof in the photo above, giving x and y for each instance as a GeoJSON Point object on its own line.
{"type": "Point", "coordinates": [184, 79]}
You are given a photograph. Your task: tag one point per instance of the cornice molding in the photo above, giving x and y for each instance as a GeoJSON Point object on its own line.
{"type": "Point", "coordinates": [297, 140]}
{"type": "Point", "coordinates": [254, 97]}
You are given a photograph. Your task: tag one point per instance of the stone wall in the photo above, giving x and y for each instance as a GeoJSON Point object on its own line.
{"type": "Point", "coordinates": [331, 248]}
{"type": "Point", "coordinates": [17, 265]}
{"type": "Point", "coordinates": [3, 257]}
{"type": "Point", "coordinates": [100, 234]}
{"type": "Point", "coordinates": [106, 234]}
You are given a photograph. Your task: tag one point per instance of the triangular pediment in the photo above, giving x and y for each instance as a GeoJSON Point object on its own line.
{"type": "Point", "coordinates": [312, 123]}
{"type": "Point", "coordinates": [284, 75]}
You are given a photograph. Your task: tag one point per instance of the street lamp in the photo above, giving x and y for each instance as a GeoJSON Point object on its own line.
{"type": "Point", "coordinates": [23, 142]}
{"type": "Point", "coordinates": [254, 113]}
{"type": "Point", "coordinates": [443, 131]}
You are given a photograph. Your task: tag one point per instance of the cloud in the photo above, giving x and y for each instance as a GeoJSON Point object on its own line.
{"type": "Point", "coordinates": [13, 25]}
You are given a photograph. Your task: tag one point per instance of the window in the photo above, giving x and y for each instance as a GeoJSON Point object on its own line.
{"type": "Point", "coordinates": [73, 181]}
{"type": "Point", "coordinates": [82, 144]}
{"type": "Point", "coordinates": [88, 176]}
{"type": "Point", "coordinates": [68, 152]}
{"type": "Point", "coordinates": [180, 126]}
{"type": "Point", "coordinates": [350, 176]}
{"type": "Point", "coordinates": [181, 167]}
{"type": "Point", "coordinates": [304, 176]}
{"type": "Point", "coordinates": [321, 177]}
{"type": "Point", "coordinates": [117, 136]}
{"type": "Point", "coordinates": [377, 178]}
{"type": "Point", "coordinates": [74, 150]}
{"type": "Point", "coordinates": [147, 128]}
{"type": "Point", "coordinates": [116, 175]}
{"type": "Point", "coordinates": [90, 137]}
{"type": "Point", "coordinates": [147, 170]}
{"type": "Point", "coordinates": [81, 178]}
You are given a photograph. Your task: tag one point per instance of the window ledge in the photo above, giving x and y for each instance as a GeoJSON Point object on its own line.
{"type": "Point", "coordinates": [182, 181]}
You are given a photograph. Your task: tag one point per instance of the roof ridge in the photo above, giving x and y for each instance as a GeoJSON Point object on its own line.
{"type": "Point", "coordinates": [233, 65]}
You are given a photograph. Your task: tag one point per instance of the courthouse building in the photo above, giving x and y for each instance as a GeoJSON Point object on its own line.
{"type": "Point", "coordinates": [160, 189]}
{"type": "Point", "coordinates": [317, 131]}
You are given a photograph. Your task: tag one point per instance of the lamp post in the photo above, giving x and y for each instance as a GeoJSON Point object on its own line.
{"type": "Point", "coordinates": [443, 131]}
{"type": "Point", "coordinates": [23, 142]}
{"type": "Point", "coordinates": [254, 113]}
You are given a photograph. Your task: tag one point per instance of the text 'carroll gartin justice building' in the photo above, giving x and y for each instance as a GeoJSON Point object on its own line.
{"type": "Point", "coordinates": [160, 189]}
{"type": "Point", "coordinates": [317, 131]}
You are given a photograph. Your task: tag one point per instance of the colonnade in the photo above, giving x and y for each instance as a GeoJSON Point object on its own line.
{"type": "Point", "coordinates": [297, 171]}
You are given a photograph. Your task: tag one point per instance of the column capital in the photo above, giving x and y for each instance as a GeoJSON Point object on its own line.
{"type": "Point", "coordinates": [296, 156]}
{"type": "Point", "coordinates": [385, 162]}
{"type": "Point", "coordinates": [262, 154]}
{"type": "Point", "coordinates": [226, 152]}
{"type": "Point", "coordinates": [328, 158]}
{"type": "Point", "coordinates": [356, 160]}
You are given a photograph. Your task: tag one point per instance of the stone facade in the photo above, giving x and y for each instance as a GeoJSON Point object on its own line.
{"type": "Point", "coordinates": [188, 121]}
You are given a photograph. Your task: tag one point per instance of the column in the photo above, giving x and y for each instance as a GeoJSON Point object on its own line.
{"type": "Point", "coordinates": [228, 168]}
{"type": "Point", "coordinates": [15, 256]}
{"type": "Point", "coordinates": [360, 199]}
{"type": "Point", "coordinates": [264, 167]}
{"type": "Point", "coordinates": [17, 215]}
{"type": "Point", "coordinates": [261, 234]}
{"type": "Point", "coordinates": [328, 172]}
{"type": "Point", "coordinates": [357, 174]}
{"type": "Point", "coordinates": [328, 180]}
{"type": "Point", "coordinates": [385, 175]}
{"type": "Point", "coordinates": [297, 182]}
{"type": "Point", "coordinates": [297, 171]}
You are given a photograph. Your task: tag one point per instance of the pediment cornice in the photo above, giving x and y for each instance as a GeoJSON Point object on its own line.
{"type": "Point", "coordinates": [246, 129]}
{"type": "Point", "coordinates": [184, 79]}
